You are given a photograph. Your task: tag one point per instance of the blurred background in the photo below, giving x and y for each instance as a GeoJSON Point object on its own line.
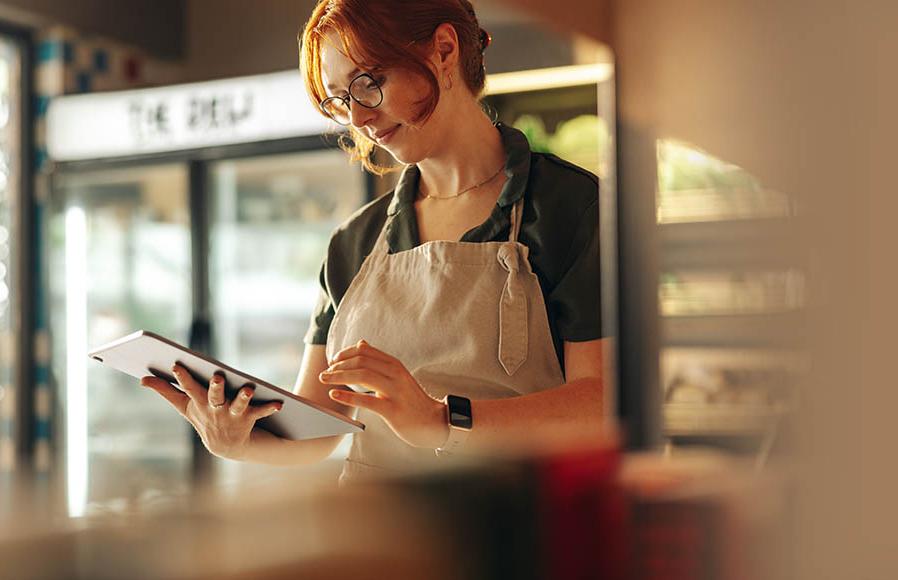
{"type": "Point", "coordinates": [163, 169]}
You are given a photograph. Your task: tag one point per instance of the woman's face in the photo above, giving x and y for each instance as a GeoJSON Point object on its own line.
{"type": "Point", "coordinates": [390, 125]}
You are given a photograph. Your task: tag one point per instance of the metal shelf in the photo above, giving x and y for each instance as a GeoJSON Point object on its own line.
{"type": "Point", "coordinates": [753, 245]}
{"type": "Point", "coordinates": [697, 420]}
{"type": "Point", "coordinates": [770, 330]}
{"type": "Point", "coordinates": [748, 244]}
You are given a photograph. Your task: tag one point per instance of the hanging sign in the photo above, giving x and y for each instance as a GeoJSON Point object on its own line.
{"type": "Point", "coordinates": [181, 117]}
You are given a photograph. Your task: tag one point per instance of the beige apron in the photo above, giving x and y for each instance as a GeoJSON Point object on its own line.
{"type": "Point", "coordinates": [466, 318]}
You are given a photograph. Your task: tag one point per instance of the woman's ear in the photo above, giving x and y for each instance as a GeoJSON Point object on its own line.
{"type": "Point", "coordinates": [445, 44]}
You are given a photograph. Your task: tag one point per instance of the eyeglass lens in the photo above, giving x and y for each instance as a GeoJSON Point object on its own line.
{"type": "Point", "coordinates": [363, 90]}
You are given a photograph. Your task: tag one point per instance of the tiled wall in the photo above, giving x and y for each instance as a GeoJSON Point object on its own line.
{"type": "Point", "coordinates": [68, 63]}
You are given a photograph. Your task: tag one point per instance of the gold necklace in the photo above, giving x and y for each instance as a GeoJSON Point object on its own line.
{"type": "Point", "coordinates": [484, 182]}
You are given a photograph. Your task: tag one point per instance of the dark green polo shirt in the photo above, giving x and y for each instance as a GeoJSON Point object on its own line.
{"type": "Point", "coordinates": [560, 227]}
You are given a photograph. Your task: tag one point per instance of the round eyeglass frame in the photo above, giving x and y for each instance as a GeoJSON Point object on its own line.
{"type": "Point", "coordinates": [323, 104]}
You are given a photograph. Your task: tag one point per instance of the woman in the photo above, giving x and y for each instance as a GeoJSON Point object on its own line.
{"type": "Point", "coordinates": [463, 305]}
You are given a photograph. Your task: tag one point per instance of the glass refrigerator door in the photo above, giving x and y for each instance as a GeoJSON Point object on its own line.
{"type": "Point", "coordinates": [271, 220]}
{"type": "Point", "coordinates": [10, 194]}
{"type": "Point", "coordinates": [119, 261]}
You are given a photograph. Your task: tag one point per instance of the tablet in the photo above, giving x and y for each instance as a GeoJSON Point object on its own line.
{"type": "Point", "coordinates": [144, 353]}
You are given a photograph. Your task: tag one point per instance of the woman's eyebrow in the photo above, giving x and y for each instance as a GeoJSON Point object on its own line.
{"type": "Point", "coordinates": [349, 77]}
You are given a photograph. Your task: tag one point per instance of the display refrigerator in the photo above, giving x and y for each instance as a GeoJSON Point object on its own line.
{"type": "Point", "coordinates": [200, 212]}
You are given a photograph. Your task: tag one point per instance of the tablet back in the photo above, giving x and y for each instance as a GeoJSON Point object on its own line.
{"type": "Point", "coordinates": [144, 353]}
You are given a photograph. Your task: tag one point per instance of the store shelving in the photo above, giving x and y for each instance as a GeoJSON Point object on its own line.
{"type": "Point", "coordinates": [732, 301]}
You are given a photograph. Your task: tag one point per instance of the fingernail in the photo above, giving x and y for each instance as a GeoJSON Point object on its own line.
{"type": "Point", "coordinates": [336, 393]}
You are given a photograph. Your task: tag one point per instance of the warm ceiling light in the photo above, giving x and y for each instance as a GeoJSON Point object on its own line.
{"type": "Point", "coordinates": [547, 78]}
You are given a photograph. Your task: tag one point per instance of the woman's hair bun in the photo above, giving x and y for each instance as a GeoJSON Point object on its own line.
{"type": "Point", "coordinates": [485, 39]}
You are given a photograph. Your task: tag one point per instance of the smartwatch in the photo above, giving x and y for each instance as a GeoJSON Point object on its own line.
{"type": "Point", "coordinates": [458, 411]}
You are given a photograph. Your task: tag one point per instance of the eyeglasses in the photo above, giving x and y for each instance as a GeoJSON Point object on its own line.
{"type": "Point", "coordinates": [363, 89]}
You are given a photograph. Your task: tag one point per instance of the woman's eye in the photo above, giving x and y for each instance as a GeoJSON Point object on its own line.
{"type": "Point", "coordinates": [373, 80]}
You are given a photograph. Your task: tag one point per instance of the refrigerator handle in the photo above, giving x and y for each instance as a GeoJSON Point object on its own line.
{"type": "Point", "coordinates": [200, 338]}
{"type": "Point", "coordinates": [202, 467]}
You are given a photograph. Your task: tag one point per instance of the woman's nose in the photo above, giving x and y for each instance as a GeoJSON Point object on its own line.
{"type": "Point", "coordinates": [359, 115]}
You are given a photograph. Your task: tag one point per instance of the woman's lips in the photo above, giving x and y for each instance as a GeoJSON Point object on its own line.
{"type": "Point", "coordinates": [387, 136]}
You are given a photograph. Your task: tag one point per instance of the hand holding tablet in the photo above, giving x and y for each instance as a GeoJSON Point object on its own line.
{"type": "Point", "coordinates": [224, 426]}
{"type": "Point", "coordinates": [226, 410]}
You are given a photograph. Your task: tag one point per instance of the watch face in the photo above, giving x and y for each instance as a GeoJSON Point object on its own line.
{"type": "Point", "coordinates": [460, 412]}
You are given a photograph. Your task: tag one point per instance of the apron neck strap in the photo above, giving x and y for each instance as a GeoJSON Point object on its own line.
{"type": "Point", "coordinates": [382, 237]}
{"type": "Point", "coordinates": [516, 211]}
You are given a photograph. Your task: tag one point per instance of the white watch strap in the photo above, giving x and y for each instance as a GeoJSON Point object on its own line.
{"type": "Point", "coordinates": [456, 438]}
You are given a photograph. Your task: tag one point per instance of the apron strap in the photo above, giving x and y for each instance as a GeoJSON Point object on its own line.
{"type": "Point", "coordinates": [516, 211]}
{"type": "Point", "coordinates": [513, 307]}
{"type": "Point", "coordinates": [382, 237]}
{"type": "Point", "coordinates": [513, 303]}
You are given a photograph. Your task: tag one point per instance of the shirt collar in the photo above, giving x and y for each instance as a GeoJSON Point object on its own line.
{"type": "Point", "coordinates": [517, 170]}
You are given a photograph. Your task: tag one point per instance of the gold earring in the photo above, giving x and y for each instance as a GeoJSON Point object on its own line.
{"type": "Point", "coordinates": [449, 82]}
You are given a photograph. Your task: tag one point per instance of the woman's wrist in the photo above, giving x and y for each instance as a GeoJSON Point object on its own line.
{"type": "Point", "coordinates": [251, 448]}
{"type": "Point", "coordinates": [264, 447]}
{"type": "Point", "coordinates": [440, 421]}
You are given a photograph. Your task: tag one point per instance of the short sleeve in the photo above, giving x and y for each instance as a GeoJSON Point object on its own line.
{"type": "Point", "coordinates": [323, 313]}
{"type": "Point", "coordinates": [576, 300]}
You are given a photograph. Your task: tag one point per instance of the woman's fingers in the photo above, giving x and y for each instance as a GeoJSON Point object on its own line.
{"type": "Point", "coordinates": [361, 348]}
{"type": "Point", "coordinates": [241, 401]}
{"type": "Point", "coordinates": [238, 407]}
{"type": "Point", "coordinates": [189, 385]}
{"type": "Point", "coordinates": [177, 398]}
{"type": "Point", "coordinates": [217, 398]}
{"type": "Point", "coordinates": [241, 406]}
{"type": "Point", "coordinates": [361, 376]}
{"type": "Point", "coordinates": [353, 399]}
{"type": "Point", "coordinates": [266, 410]}
{"type": "Point", "coordinates": [387, 369]}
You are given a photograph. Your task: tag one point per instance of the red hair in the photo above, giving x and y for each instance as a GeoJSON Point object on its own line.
{"type": "Point", "coordinates": [378, 34]}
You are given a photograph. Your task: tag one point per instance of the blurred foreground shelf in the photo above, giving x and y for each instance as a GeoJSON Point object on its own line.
{"type": "Point", "coordinates": [571, 512]}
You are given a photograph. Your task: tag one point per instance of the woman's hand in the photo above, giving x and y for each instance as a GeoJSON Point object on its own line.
{"type": "Point", "coordinates": [224, 426]}
{"type": "Point", "coordinates": [415, 417]}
